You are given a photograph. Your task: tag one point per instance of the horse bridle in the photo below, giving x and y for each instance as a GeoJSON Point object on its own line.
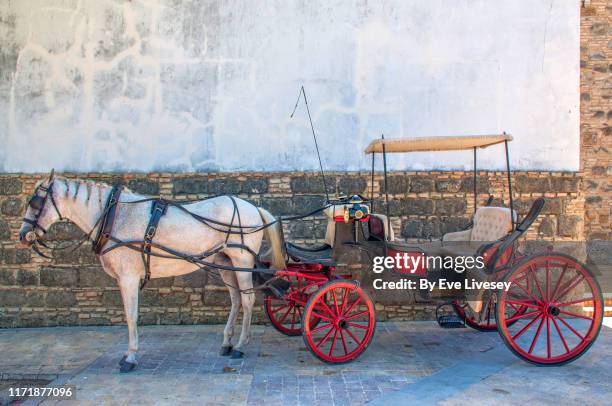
{"type": "Point", "coordinates": [38, 204]}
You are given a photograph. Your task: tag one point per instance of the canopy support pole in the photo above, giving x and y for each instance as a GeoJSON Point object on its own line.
{"type": "Point", "coordinates": [372, 186]}
{"type": "Point", "coordinates": [475, 186]}
{"type": "Point", "coordinates": [384, 152]}
{"type": "Point", "coordinates": [509, 183]}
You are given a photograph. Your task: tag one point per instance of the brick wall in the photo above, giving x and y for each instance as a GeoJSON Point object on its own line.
{"type": "Point", "coordinates": [596, 115]}
{"type": "Point", "coordinates": [72, 289]}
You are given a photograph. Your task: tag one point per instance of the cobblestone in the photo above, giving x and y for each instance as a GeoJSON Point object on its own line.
{"type": "Point", "coordinates": [180, 364]}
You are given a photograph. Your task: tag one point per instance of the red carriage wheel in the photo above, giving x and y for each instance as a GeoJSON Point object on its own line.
{"type": "Point", "coordinates": [285, 314]}
{"type": "Point", "coordinates": [564, 309]}
{"type": "Point", "coordinates": [339, 321]}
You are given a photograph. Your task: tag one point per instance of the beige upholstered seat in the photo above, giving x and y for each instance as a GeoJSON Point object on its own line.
{"type": "Point", "coordinates": [489, 224]}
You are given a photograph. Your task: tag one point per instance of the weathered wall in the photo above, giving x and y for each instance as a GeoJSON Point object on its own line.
{"type": "Point", "coordinates": [104, 85]}
{"type": "Point", "coordinates": [596, 116]}
{"type": "Point", "coordinates": [74, 290]}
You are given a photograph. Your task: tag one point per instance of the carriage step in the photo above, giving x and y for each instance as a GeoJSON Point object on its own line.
{"type": "Point", "coordinates": [451, 321]}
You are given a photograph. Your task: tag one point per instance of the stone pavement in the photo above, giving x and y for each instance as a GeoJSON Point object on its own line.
{"type": "Point", "coordinates": [408, 362]}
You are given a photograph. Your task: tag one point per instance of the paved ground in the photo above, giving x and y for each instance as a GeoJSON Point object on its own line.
{"type": "Point", "coordinates": [408, 362]}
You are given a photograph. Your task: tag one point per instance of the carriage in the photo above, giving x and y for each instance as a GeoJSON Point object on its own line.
{"type": "Point", "coordinates": [550, 315]}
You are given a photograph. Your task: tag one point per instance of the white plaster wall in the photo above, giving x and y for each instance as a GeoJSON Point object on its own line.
{"type": "Point", "coordinates": [103, 85]}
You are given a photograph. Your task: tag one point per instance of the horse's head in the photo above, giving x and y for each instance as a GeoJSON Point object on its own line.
{"type": "Point", "coordinates": [41, 212]}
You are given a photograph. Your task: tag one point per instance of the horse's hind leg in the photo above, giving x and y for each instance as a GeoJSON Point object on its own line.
{"type": "Point", "coordinates": [229, 278]}
{"type": "Point", "coordinates": [128, 284]}
{"type": "Point", "coordinates": [247, 295]}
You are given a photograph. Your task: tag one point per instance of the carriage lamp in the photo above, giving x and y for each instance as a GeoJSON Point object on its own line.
{"type": "Point", "coordinates": [357, 210]}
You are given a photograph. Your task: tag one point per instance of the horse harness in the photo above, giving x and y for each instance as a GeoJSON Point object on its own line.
{"type": "Point", "coordinates": [158, 209]}
{"type": "Point", "coordinates": [108, 219]}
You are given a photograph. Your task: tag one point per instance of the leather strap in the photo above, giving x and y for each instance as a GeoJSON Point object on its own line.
{"type": "Point", "coordinates": [106, 226]}
{"type": "Point", "coordinates": [157, 211]}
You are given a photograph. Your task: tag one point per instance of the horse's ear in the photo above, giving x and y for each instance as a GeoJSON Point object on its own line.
{"type": "Point", "coordinates": [51, 175]}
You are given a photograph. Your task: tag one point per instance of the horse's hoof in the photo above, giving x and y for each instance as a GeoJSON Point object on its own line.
{"type": "Point", "coordinates": [236, 354]}
{"type": "Point", "coordinates": [127, 367]}
{"type": "Point", "coordinates": [122, 361]}
{"type": "Point", "coordinates": [226, 350]}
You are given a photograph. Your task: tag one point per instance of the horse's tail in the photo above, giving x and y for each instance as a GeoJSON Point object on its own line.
{"type": "Point", "coordinates": [275, 240]}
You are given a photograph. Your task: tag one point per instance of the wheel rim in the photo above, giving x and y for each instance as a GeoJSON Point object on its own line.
{"type": "Point", "coordinates": [286, 315]}
{"type": "Point", "coordinates": [339, 322]}
{"type": "Point", "coordinates": [564, 309]}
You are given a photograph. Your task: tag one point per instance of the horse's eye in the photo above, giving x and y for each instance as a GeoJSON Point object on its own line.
{"type": "Point", "coordinates": [36, 202]}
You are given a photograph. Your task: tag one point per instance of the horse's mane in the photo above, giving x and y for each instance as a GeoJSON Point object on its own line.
{"type": "Point", "coordinates": [74, 186]}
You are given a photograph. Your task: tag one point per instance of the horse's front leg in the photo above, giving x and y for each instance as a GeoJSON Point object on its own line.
{"type": "Point", "coordinates": [129, 286]}
{"type": "Point", "coordinates": [229, 278]}
{"type": "Point", "coordinates": [247, 295]}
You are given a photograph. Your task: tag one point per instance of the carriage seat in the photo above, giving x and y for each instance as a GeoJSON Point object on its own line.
{"type": "Point", "coordinates": [489, 224]}
{"type": "Point", "coordinates": [311, 255]}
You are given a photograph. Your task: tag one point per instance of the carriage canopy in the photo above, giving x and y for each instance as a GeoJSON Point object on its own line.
{"type": "Point", "coordinates": [452, 143]}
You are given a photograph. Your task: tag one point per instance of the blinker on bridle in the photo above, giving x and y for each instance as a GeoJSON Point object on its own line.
{"type": "Point", "coordinates": [38, 203]}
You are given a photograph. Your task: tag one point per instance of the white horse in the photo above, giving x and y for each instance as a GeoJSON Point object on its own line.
{"type": "Point", "coordinates": [83, 202]}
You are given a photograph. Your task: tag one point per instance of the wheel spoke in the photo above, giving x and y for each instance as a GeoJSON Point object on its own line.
{"type": "Point", "coordinates": [333, 344]}
{"type": "Point", "coordinates": [321, 328]}
{"type": "Point", "coordinates": [560, 335]}
{"type": "Point", "coordinates": [534, 276]}
{"type": "Point", "coordinates": [526, 327]}
{"type": "Point", "coordinates": [293, 317]}
{"type": "Point", "coordinates": [522, 316]}
{"type": "Point", "coordinates": [325, 338]}
{"type": "Point", "coordinates": [354, 316]}
{"type": "Point", "coordinates": [536, 335]}
{"type": "Point", "coordinates": [357, 341]}
{"type": "Point", "coordinates": [344, 298]}
{"type": "Point", "coordinates": [326, 308]}
{"type": "Point", "coordinates": [548, 336]}
{"type": "Point", "coordinates": [571, 285]}
{"type": "Point", "coordinates": [281, 308]}
{"type": "Point", "coordinates": [286, 314]}
{"type": "Point", "coordinates": [521, 303]}
{"type": "Point", "coordinates": [554, 293]}
{"type": "Point", "coordinates": [570, 327]}
{"type": "Point", "coordinates": [576, 315]}
{"type": "Point", "coordinates": [357, 326]}
{"type": "Point", "coordinates": [326, 318]}
{"type": "Point", "coordinates": [343, 342]}
{"type": "Point", "coordinates": [352, 305]}
{"type": "Point", "coordinates": [335, 301]}
{"type": "Point", "coordinates": [525, 290]}
{"type": "Point", "coordinates": [589, 299]}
